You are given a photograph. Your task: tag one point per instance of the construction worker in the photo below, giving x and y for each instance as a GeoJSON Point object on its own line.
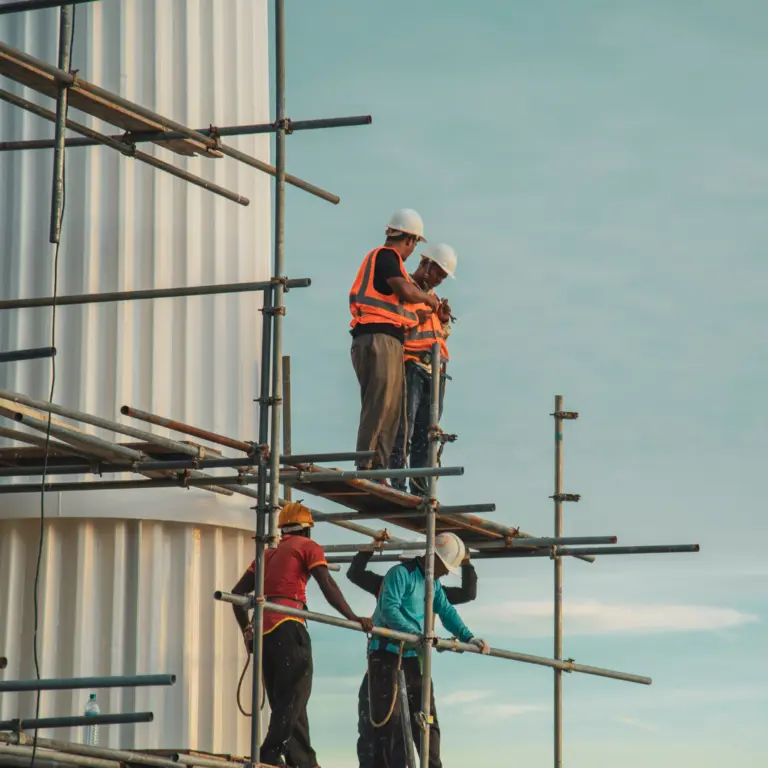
{"type": "Point", "coordinates": [371, 582]}
{"type": "Point", "coordinates": [437, 262]}
{"type": "Point", "coordinates": [401, 607]}
{"type": "Point", "coordinates": [287, 650]}
{"type": "Point", "coordinates": [383, 302]}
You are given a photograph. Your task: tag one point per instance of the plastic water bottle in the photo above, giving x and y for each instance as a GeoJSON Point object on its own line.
{"type": "Point", "coordinates": [92, 731]}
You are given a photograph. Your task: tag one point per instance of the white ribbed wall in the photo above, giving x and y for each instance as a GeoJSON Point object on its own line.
{"type": "Point", "coordinates": [130, 597]}
{"type": "Point", "coordinates": [122, 596]}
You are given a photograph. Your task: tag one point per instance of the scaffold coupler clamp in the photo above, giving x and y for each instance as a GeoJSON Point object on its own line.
{"type": "Point", "coordinates": [280, 281]}
{"type": "Point", "coordinates": [570, 663]}
{"type": "Point", "coordinates": [213, 133]}
{"type": "Point", "coordinates": [274, 310]}
{"type": "Point", "coordinates": [423, 721]}
{"type": "Point", "coordinates": [285, 124]}
{"type": "Point", "coordinates": [270, 401]}
{"type": "Point", "coordinates": [455, 646]}
{"type": "Point", "coordinates": [566, 497]}
{"type": "Point", "coordinates": [566, 415]}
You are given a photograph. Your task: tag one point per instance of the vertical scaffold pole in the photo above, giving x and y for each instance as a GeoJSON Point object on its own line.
{"type": "Point", "coordinates": [279, 287]}
{"type": "Point", "coordinates": [558, 651]}
{"type": "Point", "coordinates": [287, 490]}
{"type": "Point", "coordinates": [271, 357]}
{"type": "Point", "coordinates": [57, 190]}
{"type": "Point", "coordinates": [429, 564]}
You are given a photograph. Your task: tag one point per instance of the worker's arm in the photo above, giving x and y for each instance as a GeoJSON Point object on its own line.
{"type": "Point", "coordinates": [332, 594]}
{"type": "Point", "coordinates": [393, 590]}
{"type": "Point", "coordinates": [467, 592]}
{"type": "Point", "coordinates": [363, 578]}
{"type": "Point", "coordinates": [245, 586]}
{"type": "Point", "coordinates": [449, 616]}
{"type": "Point", "coordinates": [407, 291]}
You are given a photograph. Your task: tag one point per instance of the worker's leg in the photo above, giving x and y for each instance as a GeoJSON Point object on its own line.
{"type": "Point", "coordinates": [422, 421]}
{"type": "Point", "coordinates": [402, 448]}
{"type": "Point", "coordinates": [364, 728]}
{"type": "Point", "coordinates": [394, 373]}
{"type": "Point", "coordinates": [378, 363]}
{"type": "Point", "coordinates": [288, 655]}
{"type": "Point", "coordinates": [382, 670]}
{"type": "Point", "coordinates": [412, 670]}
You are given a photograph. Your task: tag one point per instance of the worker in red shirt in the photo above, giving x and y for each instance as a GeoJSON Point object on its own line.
{"type": "Point", "coordinates": [287, 650]}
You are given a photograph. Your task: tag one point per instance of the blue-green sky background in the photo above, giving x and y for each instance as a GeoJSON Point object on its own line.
{"type": "Point", "coordinates": [601, 169]}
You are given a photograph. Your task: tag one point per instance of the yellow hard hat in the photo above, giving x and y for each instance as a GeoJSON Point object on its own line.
{"type": "Point", "coordinates": [295, 516]}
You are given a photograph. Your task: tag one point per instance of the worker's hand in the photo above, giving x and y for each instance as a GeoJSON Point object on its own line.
{"type": "Point", "coordinates": [481, 644]}
{"type": "Point", "coordinates": [248, 638]}
{"type": "Point", "coordinates": [432, 302]}
{"type": "Point", "coordinates": [365, 623]}
{"type": "Point", "coordinates": [382, 535]}
{"type": "Point", "coordinates": [444, 313]}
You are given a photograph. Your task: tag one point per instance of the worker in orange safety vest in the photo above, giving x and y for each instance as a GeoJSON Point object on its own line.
{"type": "Point", "coordinates": [383, 301]}
{"type": "Point", "coordinates": [437, 262]}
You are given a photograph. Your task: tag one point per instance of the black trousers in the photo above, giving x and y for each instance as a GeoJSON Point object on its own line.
{"type": "Point", "coordinates": [382, 672]}
{"type": "Point", "coordinates": [288, 682]}
{"type": "Point", "coordinates": [365, 733]}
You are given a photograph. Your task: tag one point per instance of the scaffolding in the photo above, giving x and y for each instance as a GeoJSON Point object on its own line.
{"type": "Point", "coordinates": [260, 468]}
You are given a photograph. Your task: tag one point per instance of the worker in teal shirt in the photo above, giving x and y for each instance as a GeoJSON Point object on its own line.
{"type": "Point", "coordinates": [401, 607]}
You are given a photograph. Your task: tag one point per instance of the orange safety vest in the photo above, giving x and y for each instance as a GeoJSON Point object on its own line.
{"type": "Point", "coordinates": [421, 338]}
{"type": "Point", "coordinates": [367, 305]}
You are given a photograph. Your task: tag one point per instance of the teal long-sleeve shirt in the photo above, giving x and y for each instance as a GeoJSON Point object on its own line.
{"type": "Point", "coordinates": [401, 607]}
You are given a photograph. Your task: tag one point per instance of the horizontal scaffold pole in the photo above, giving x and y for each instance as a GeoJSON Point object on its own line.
{"type": "Point", "coordinates": [444, 645]}
{"type": "Point", "coordinates": [36, 5]}
{"type": "Point", "coordinates": [75, 84]}
{"type": "Point", "coordinates": [76, 721]}
{"type": "Point", "coordinates": [99, 467]}
{"type": "Point", "coordinates": [416, 545]}
{"type": "Point", "coordinates": [38, 353]}
{"type": "Point", "coordinates": [76, 683]}
{"type": "Point", "coordinates": [136, 154]}
{"type": "Point", "coordinates": [158, 137]}
{"type": "Point", "coordinates": [521, 554]}
{"type": "Point", "coordinates": [86, 750]}
{"type": "Point", "coordinates": [183, 481]}
{"type": "Point", "coordinates": [399, 514]}
{"type": "Point", "coordinates": [151, 293]}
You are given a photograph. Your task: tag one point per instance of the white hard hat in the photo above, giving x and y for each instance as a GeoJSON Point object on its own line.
{"type": "Point", "coordinates": [408, 221]}
{"type": "Point", "coordinates": [444, 256]}
{"type": "Point", "coordinates": [451, 550]}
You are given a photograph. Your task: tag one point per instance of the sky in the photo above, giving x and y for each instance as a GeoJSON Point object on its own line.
{"type": "Point", "coordinates": [600, 168]}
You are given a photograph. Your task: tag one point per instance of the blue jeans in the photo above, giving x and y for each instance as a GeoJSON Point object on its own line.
{"type": "Point", "coordinates": [412, 439]}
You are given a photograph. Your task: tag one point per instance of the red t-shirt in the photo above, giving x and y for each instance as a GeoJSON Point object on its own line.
{"type": "Point", "coordinates": [286, 573]}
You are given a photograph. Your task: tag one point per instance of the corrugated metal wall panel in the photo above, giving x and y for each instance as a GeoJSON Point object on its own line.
{"type": "Point", "coordinates": [129, 597]}
{"type": "Point", "coordinates": [129, 226]}
{"type": "Point", "coordinates": [118, 595]}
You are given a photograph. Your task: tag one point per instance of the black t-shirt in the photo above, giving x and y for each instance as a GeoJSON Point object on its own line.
{"type": "Point", "coordinates": [387, 266]}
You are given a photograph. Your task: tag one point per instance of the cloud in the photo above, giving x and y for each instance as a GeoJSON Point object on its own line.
{"type": "Point", "coordinates": [495, 712]}
{"type": "Point", "coordinates": [344, 682]}
{"type": "Point", "coordinates": [463, 697]}
{"type": "Point", "coordinates": [534, 619]}
{"type": "Point", "coordinates": [635, 723]}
